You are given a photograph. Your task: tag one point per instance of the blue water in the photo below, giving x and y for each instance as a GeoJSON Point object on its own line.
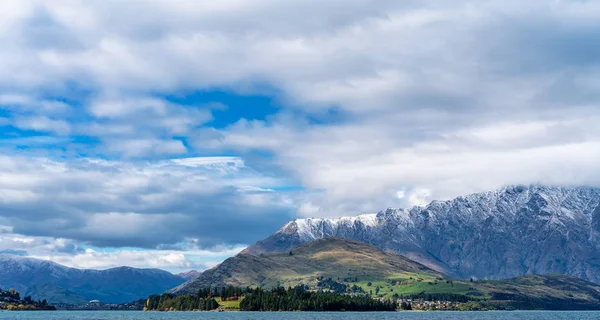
{"type": "Point", "coordinates": [134, 315]}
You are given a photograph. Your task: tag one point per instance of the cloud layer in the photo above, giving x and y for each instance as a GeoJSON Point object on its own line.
{"type": "Point", "coordinates": [377, 103]}
{"type": "Point", "coordinates": [139, 204]}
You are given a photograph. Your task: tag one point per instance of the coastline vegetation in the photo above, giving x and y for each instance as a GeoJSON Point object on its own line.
{"type": "Point", "coordinates": [188, 302]}
{"type": "Point", "coordinates": [11, 300]}
{"type": "Point", "coordinates": [299, 298]}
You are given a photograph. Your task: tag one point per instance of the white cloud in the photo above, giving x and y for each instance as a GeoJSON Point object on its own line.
{"type": "Point", "coordinates": [145, 147]}
{"type": "Point", "coordinates": [44, 124]}
{"type": "Point", "coordinates": [419, 197]}
{"type": "Point", "coordinates": [401, 194]}
{"type": "Point", "coordinates": [174, 261]}
{"type": "Point", "coordinates": [207, 161]}
{"type": "Point", "coordinates": [309, 210]}
{"type": "Point", "coordinates": [120, 108]}
{"type": "Point", "coordinates": [361, 167]}
{"type": "Point", "coordinates": [13, 99]}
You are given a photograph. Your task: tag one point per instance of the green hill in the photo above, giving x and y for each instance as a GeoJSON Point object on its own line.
{"type": "Point", "coordinates": [342, 260]}
{"type": "Point", "coordinates": [344, 265]}
{"type": "Point", "coordinates": [551, 291]}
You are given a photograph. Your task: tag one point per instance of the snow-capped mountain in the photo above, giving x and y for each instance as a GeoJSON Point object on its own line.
{"type": "Point", "coordinates": [59, 284]}
{"type": "Point", "coordinates": [505, 233]}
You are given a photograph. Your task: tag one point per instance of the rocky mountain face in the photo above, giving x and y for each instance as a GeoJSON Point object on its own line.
{"type": "Point", "coordinates": [59, 284]}
{"type": "Point", "coordinates": [500, 234]}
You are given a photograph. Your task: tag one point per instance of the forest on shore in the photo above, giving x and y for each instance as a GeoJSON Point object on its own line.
{"type": "Point", "coordinates": [278, 299]}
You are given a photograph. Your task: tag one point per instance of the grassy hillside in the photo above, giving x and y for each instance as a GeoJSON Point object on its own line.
{"type": "Point", "coordinates": [552, 291]}
{"type": "Point", "coordinates": [342, 260]}
{"type": "Point", "coordinates": [349, 266]}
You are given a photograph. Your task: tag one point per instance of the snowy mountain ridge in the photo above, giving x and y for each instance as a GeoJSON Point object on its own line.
{"type": "Point", "coordinates": [503, 233]}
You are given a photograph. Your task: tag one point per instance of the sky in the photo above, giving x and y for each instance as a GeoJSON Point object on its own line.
{"type": "Point", "coordinates": [172, 134]}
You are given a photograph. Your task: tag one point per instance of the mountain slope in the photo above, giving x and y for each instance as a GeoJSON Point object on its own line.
{"type": "Point", "coordinates": [189, 275]}
{"type": "Point", "coordinates": [57, 283]}
{"type": "Point", "coordinates": [55, 294]}
{"type": "Point", "coordinates": [542, 287]}
{"type": "Point", "coordinates": [500, 234]}
{"type": "Point", "coordinates": [550, 292]}
{"type": "Point", "coordinates": [346, 265]}
{"type": "Point", "coordinates": [325, 258]}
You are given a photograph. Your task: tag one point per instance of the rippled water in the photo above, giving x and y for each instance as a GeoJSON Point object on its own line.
{"type": "Point", "coordinates": [133, 315]}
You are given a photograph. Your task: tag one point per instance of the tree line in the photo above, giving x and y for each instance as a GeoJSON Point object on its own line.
{"type": "Point", "coordinates": [225, 293]}
{"type": "Point", "coordinates": [299, 299]}
{"type": "Point", "coordinates": [330, 284]}
{"type": "Point", "coordinates": [188, 302]}
{"type": "Point", "coordinates": [204, 300]}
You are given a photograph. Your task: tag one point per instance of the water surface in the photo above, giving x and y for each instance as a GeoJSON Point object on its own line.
{"type": "Point", "coordinates": [134, 315]}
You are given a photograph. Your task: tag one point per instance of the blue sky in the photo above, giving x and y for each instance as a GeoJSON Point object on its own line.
{"type": "Point", "coordinates": [175, 133]}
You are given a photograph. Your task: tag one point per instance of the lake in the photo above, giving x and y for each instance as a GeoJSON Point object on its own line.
{"type": "Point", "coordinates": [133, 315]}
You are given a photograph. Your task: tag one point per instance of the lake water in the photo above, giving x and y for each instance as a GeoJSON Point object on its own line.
{"type": "Point", "coordinates": [133, 315]}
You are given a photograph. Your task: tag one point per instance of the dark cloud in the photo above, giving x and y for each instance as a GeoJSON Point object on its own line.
{"type": "Point", "coordinates": [143, 205]}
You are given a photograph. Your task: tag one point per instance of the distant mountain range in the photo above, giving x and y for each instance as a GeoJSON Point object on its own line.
{"type": "Point", "coordinates": [59, 284]}
{"type": "Point", "coordinates": [349, 266]}
{"type": "Point", "coordinates": [500, 234]}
